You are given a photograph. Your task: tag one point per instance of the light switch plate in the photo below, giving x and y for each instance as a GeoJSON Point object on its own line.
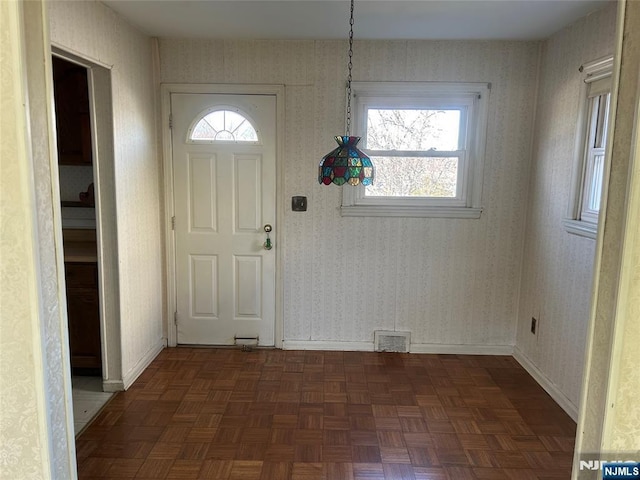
{"type": "Point", "coordinates": [299, 204]}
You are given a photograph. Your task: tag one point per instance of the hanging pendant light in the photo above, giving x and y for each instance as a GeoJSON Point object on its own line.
{"type": "Point", "coordinates": [347, 164]}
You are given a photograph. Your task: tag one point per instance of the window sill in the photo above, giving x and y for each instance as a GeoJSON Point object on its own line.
{"type": "Point", "coordinates": [409, 211]}
{"type": "Point", "coordinates": [580, 228]}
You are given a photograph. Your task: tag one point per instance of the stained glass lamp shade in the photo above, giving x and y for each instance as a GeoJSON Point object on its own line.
{"type": "Point", "coordinates": [346, 164]}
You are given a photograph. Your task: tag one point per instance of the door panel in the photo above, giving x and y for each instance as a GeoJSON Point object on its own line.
{"type": "Point", "coordinates": [202, 193]}
{"type": "Point", "coordinates": [248, 180]}
{"type": "Point", "coordinates": [224, 194]}
{"type": "Point", "coordinates": [204, 286]}
{"type": "Point", "coordinates": [247, 274]}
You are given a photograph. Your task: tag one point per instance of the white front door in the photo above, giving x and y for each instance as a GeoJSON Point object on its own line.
{"type": "Point", "coordinates": [224, 173]}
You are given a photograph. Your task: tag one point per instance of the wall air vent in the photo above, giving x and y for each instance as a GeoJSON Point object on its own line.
{"type": "Point", "coordinates": [386, 341]}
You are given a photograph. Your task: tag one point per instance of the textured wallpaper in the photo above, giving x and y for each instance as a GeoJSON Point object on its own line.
{"type": "Point", "coordinates": [49, 258]}
{"type": "Point", "coordinates": [91, 30]}
{"type": "Point", "coordinates": [448, 281]}
{"type": "Point", "coordinates": [22, 423]}
{"type": "Point", "coordinates": [558, 266]}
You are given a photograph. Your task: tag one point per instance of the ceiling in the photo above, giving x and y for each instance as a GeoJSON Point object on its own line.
{"type": "Point", "coordinates": [374, 19]}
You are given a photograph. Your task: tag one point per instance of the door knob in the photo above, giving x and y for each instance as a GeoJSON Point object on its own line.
{"type": "Point", "coordinates": [267, 244]}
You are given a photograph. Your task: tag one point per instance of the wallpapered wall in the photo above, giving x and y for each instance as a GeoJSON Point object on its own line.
{"type": "Point", "coordinates": [23, 420]}
{"type": "Point", "coordinates": [447, 281]}
{"type": "Point", "coordinates": [92, 31]}
{"type": "Point", "coordinates": [558, 266]}
{"type": "Point", "coordinates": [49, 270]}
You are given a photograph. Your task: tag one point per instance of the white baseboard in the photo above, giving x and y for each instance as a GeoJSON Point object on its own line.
{"type": "Point", "coordinates": [544, 381]}
{"type": "Point", "coordinates": [441, 348]}
{"type": "Point", "coordinates": [324, 345]}
{"type": "Point", "coordinates": [415, 347]}
{"type": "Point", "coordinates": [132, 375]}
{"type": "Point", "coordinates": [112, 386]}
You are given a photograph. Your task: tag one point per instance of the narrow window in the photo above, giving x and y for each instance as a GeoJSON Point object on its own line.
{"type": "Point", "coordinates": [594, 157]}
{"type": "Point", "coordinates": [589, 163]}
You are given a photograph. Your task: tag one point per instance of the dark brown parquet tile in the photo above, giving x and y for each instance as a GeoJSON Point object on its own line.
{"type": "Point", "coordinates": [365, 454]}
{"type": "Point", "coordinates": [430, 474]}
{"type": "Point", "coordinates": [155, 468]}
{"type": "Point", "coordinates": [336, 454]}
{"type": "Point", "coordinates": [307, 471]}
{"type": "Point", "coordinates": [125, 468]}
{"type": "Point", "coordinates": [223, 414]}
{"type": "Point", "coordinates": [245, 470]}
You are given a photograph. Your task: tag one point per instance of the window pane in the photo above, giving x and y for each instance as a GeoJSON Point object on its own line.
{"type": "Point", "coordinates": [413, 129]}
{"type": "Point", "coordinates": [224, 125]}
{"type": "Point", "coordinates": [216, 120]}
{"type": "Point", "coordinates": [246, 133]}
{"type": "Point", "coordinates": [203, 131]}
{"type": "Point", "coordinates": [414, 177]}
{"type": "Point", "coordinates": [224, 136]}
{"type": "Point", "coordinates": [595, 189]}
{"type": "Point", "coordinates": [601, 107]}
{"type": "Point", "coordinates": [232, 121]}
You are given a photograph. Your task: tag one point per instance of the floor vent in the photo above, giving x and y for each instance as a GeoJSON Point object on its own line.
{"type": "Point", "coordinates": [385, 341]}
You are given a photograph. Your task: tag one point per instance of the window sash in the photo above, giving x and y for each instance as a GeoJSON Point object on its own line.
{"type": "Point", "coordinates": [594, 157]}
{"type": "Point", "coordinates": [382, 104]}
{"type": "Point", "coordinates": [593, 189]}
{"type": "Point", "coordinates": [415, 153]}
{"type": "Point", "coordinates": [471, 99]}
{"type": "Point", "coordinates": [459, 103]}
{"type": "Point", "coordinates": [458, 199]}
{"type": "Point", "coordinates": [590, 150]}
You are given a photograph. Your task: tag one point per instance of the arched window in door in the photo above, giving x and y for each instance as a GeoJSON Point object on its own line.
{"type": "Point", "coordinates": [223, 125]}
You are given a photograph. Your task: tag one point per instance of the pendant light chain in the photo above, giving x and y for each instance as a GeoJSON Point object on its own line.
{"type": "Point", "coordinates": [346, 165]}
{"type": "Point", "coordinates": [349, 76]}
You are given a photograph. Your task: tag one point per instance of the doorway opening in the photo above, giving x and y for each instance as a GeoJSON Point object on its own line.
{"type": "Point", "coordinates": [82, 99]}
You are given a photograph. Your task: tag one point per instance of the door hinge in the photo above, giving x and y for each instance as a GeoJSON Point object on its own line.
{"type": "Point", "coordinates": [175, 318]}
{"type": "Point", "coordinates": [170, 120]}
{"type": "Point", "coordinates": [173, 223]}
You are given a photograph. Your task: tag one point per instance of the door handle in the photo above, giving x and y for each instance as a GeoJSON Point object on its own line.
{"type": "Point", "coordinates": [267, 244]}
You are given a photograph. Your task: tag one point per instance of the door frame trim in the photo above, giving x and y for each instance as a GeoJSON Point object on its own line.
{"type": "Point", "coordinates": [166, 89]}
{"type": "Point", "coordinates": [99, 77]}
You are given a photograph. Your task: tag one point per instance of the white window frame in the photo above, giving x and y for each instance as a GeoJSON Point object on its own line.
{"type": "Point", "coordinates": [597, 79]}
{"type": "Point", "coordinates": [474, 99]}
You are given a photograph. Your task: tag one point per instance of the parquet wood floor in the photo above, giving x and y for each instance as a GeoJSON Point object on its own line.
{"type": "Point", "coordinates": [224, 414]}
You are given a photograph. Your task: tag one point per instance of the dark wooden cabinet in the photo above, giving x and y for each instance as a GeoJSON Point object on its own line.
{"type": "Point", "coordinates": [83, 307]}
{"type": "Point", "coordinates": [73, 118]}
